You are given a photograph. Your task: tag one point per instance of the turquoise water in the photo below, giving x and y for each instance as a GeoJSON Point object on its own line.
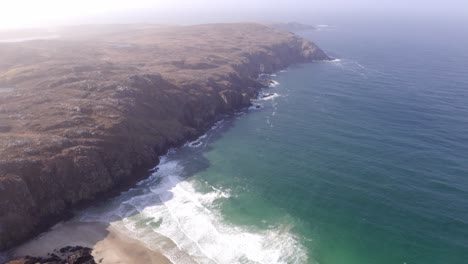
{"type": "Point", "coordinates": [359, 160]}
{"type": "Point", "coordinates": [366, 157]}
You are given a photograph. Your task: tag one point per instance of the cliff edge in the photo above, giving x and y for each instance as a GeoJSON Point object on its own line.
{"type": "Point", "coordinates": [87, 111]}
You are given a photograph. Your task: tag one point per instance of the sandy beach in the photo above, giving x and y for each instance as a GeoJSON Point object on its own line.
{"type": "Point", "coordinates": [109, 245]}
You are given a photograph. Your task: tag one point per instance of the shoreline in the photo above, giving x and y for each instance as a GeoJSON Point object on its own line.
{"type": "Point", "coordinates": [103, 238]}
{"type": "Point", "coordinates": [109, 245]}
{"type": "Point", "coordinates": [50, 223]}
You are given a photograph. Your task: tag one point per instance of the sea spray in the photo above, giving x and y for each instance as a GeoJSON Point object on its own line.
{"type": "Point", "coordinates": [186, 225]}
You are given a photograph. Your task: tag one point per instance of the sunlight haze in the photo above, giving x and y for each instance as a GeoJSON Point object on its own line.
{"type": "Point", "coordinates": [234, 131]}
{"type": "Point", "coordinates": [30, 13]}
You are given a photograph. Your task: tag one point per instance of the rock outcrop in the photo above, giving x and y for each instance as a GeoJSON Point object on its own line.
{"type": "Point", "coordinates": [88, 112]}
{"type": "Point", "coordinates": [66, 255]}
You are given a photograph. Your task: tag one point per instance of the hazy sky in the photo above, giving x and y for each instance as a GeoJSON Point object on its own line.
{"type": "Point", "coordinates": [28, 13]}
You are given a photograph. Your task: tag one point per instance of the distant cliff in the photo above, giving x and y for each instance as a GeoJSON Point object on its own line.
{"type": "Point", "coordinates": [291, 26]}
{"type": "Point", "coordinates": [95, 108]}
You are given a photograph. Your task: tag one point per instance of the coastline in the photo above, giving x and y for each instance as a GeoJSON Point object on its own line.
{"type": "Point", "coordinates": [132, 146]}
{"type": "Point", "coordinates": [108, 244]}
{"type": "Point", "coordinates": [61, 230]}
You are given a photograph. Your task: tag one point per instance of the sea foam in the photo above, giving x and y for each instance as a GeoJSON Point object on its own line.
{"type": "Point", "coordinates": [269, 96]}
{"type": "Point", "coordinates": [196, 143]}
{"type": "Point", "coordinates": [172, 217]}
{"type": "Point", "coordinates": [273, 84]}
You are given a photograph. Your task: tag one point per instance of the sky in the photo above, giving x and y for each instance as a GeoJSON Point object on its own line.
{"type": "Point", "coordinates": [38, 13]}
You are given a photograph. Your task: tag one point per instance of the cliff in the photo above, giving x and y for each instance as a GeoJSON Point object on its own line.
{"type": "Point", "coordinates": [86, 112]}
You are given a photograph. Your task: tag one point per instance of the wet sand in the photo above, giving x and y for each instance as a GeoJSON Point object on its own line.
{"type": "Point", "coordinates": [109, 245]}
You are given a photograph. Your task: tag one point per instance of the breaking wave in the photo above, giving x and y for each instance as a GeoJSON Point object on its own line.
{"type": "Point", "coordinates": [170, 215]}
{"type": "Point", "coordinates": [273, 84]}
{"type": "Point", "coordinates": [268, 96]}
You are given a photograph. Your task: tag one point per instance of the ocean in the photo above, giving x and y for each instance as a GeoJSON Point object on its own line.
{"type": "Point", "coordinates": [359, 160]}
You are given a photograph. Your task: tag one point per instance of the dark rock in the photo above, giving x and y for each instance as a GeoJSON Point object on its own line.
{"type": "Point", "coordinates": [68, 255]}
{"type": "Point", "coordinates": [80, 256]}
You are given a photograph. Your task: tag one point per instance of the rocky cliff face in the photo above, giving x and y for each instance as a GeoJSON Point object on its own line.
{"type": "Point", "coordinates": [83, 115]}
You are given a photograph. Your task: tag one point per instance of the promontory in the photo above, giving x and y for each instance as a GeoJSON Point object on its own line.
{"type": "Point", "coordinates": [93, 107]}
